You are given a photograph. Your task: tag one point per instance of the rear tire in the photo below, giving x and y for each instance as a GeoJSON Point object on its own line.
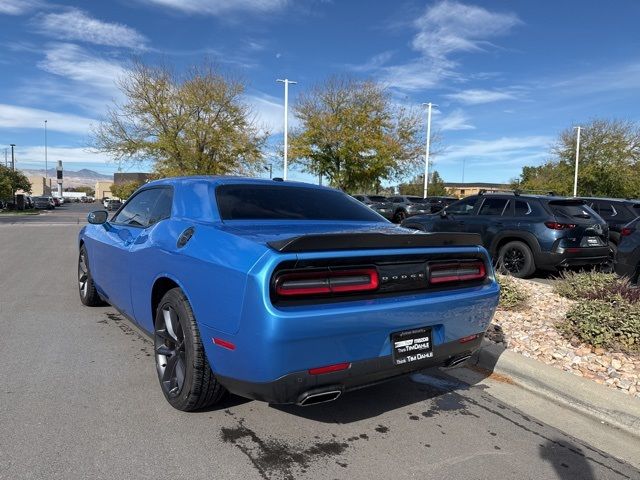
{"type": "Point", "coordinates": [516, 259]}
{"type": "Point", "coordinates": [87, 289]}
{"type": "Point", "coordinates": [186, 379]}
{"type": "Point", "coordinates": [399, 216]}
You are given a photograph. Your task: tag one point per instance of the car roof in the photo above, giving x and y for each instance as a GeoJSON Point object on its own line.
{"type": "Point", "coordinates": [611, 199]}
{"type": "Point", "coordinates": [232, 180]}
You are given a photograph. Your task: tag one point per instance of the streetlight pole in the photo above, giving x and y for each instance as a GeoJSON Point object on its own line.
{"type": "Point", "coordinates": [575, 179]}
{"type": "Point", "coordinates": [13, 157]}
{"type": "Point", "coordinates": [426, 156]}
{"type": "Point", "coordinates": [286, 82]}
{"type": "Point", "coordinates": [46, 164]}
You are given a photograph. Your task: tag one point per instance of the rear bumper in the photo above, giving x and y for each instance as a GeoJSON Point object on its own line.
{"type": "Point", "coordinates": [574, 257]}
{"type": "Point", "coordinates": [294, 387]}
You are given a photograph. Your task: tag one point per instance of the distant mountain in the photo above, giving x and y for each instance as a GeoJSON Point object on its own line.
{"type": "Point", "coordinates": [72, 178]}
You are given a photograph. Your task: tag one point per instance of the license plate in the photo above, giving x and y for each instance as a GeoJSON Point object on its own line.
{"type": "Point", "coordinates": [411, 345]}
{"type": "Point", "coordinates": [593, 242]}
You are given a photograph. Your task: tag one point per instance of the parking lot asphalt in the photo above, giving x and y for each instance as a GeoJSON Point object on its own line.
{"type": "Point", "coordinates": [79, 399]}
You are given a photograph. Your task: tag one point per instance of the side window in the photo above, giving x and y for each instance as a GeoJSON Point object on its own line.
{"type": "Point", "coordinates": [358, 197]}
{"type": "Point", "coordinates": [522, 208]}
{"type": "Point", "coordinates": [463, 207]}
{"type": "Point", "coordinates": [163, 206]}
{"type": "Point", "coordinates": [137, 211]}
{"type": "Point", "coordinates": [493, 206]}
{"type": "Point", "coordinates": [606, 210]}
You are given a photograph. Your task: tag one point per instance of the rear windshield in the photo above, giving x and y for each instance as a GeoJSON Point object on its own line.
{"type": "Point", "coordinates": [571, 209]}
{"type": "Point", "coordinates": [273, 202]}
{"type": "Point", "coordinates": [377, 198]}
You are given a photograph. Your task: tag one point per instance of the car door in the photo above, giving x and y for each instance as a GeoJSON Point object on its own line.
{"type": "Point", "coordinates": [119, 235]}
{"type": "Point", "coordinates": [490, 218]}
{"type": "Point", "coordinates": [454, 217]}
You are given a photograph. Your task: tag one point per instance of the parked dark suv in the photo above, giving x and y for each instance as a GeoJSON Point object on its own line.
{"type": "Point", "coordinates": [627, 261]}
{"type": "Point", "coordinates": [526, 232]}
{"type": "Point", "coordinates": [617, 212]}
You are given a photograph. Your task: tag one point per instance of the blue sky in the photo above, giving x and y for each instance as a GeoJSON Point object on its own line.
{"type": "Point", "coordinates": [507, 75]}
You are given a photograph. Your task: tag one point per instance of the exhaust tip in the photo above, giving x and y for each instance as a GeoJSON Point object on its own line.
{"type": "Point", "coordinates": [314, 398]}
{"type": "Point", "coordinates": [457, 360]}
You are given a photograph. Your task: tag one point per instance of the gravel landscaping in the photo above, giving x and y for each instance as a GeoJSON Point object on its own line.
{"type": "Point", "coordinates": [531, 330]}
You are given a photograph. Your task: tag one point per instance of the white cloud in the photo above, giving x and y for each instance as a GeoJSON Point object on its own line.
{"type": "Point", "coordinates": [13, 116]}
{"type": "Point", "coordinates": [449, 27]}
{"type": "Point", "coordinates": [456, 120]}
{"type": "Point", "coordinates": [220, 7]}
{"type": "Point", "coordinates": [446, 28]}
{"type": "Point", "coordinates": [75, 24]}
{"type": "Point", "coordinates": [478, 96]}
{"type": "Point", "coordinates": [75, 63]}
{"type": "Point", "coordinates": [19, 7]}
{"type": "Point", "coordinates": [269, 112]}
{"type": "Point", "coordinates": [34, 155]}
{"type": "Point", "coordinates": [500, 151]}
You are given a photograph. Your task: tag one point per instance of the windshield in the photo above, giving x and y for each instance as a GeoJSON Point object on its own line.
{"type": "Point", "coordinates": [274, 202]}
{"type": "Point", "coordinates": [416, 199]}
{"type": "Point", "coordinates": [377, 198]}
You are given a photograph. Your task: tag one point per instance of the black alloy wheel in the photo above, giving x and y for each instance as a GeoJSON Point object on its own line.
{"type": "Point", "coordinates": [515, 258]}
{"type": "Point", "coordinates": [87, 289]}
{"type": "Point", "coordinates": [185, 377]}
{"type": "Point", "coordinates": [170, 352]}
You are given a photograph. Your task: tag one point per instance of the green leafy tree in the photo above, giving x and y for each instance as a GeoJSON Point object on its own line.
{"type": "Point", "coordinates": [609, 161]}
{"type": "Point", "coordinates": [436, 186]}
{"type": "Point", "coordinates": [194, 124]}
{"type": "Point", "coordinates": [353, 134]}
{"type": "Point", "coordinates": [10, 181]}
{"type": "Point", "coordinates": [124, 190]}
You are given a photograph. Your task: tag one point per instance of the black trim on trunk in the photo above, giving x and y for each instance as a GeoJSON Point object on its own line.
{"type": "Point", "coordinates": [369, 241]}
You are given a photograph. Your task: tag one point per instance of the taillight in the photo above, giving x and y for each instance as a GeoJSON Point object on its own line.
{"type": "Point", "coordinates": [326, 282]}
{"type": "Point", "coordinates": [456, 272]}
{"type": "Point", "coordinates": [626, 231]}
{"type": "Point", "coordinates": [559, 226]}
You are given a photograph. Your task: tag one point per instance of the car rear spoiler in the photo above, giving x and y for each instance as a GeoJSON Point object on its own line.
{"type": "Point", "coordinates": [369, 241]}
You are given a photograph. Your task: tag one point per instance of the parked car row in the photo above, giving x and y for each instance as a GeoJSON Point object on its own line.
{"type": "Point", "coordinates": [525, 233]}
{"type": "Point", "coordinates": [400, 207]}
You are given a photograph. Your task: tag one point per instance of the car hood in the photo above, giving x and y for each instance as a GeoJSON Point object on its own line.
{"type": "Point", "coordinates": [271, 231]}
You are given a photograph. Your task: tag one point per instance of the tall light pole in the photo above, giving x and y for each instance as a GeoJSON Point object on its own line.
{"type": "Point", "coordinates": [13, 157]}
{"type": "Point", "coordinates": [575, 178]}
{"type": "Point", "coordinates": [46, 164]}
{"type": "Point", "coordinates": [286, 82]}
{"type": "Point", "coordinates": [426, 155]}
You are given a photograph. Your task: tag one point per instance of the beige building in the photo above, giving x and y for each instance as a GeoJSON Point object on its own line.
{"type": "Point", "coordinates": [461, 190]}
{"type": "Point", "coordinates": [103, 189]}
{"type": "Point", "coordinates": [39, 186]}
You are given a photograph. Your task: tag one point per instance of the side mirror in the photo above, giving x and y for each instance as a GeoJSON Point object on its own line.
{"type": "Point", "coordinates": [443, 213]}
{"type": "Point", "coordinates": [98, 217]}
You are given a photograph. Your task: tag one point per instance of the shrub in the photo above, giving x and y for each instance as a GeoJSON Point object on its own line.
{"type": "Point", "coordinates": [512, 296]}
{"type": "Point", "coordinates": [596, 286]}
{"type": "Point", "coordinates": [612, 324]}
{"type": "Point", "coordinates": [579, 285]}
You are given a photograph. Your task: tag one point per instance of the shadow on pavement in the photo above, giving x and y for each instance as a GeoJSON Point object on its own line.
{"type": "Point", "coordinates": [567, 459]}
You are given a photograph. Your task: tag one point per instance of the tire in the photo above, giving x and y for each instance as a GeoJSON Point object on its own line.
{"type": "Point", "coordinates": [86, 288]}
{"type": "Point", "coordinates": [399, 216]}
{"type": "Point", "coordinates": [516, 259]}
{"type": "Point", "coordinates": [185, 376]}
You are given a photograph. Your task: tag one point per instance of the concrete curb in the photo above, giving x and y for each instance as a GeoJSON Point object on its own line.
{"type": "Point", "coordinates": [582, 395]}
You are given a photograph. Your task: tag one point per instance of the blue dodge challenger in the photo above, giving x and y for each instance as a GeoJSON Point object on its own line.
{"type": "Point", "coordinates": [282, 291]}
